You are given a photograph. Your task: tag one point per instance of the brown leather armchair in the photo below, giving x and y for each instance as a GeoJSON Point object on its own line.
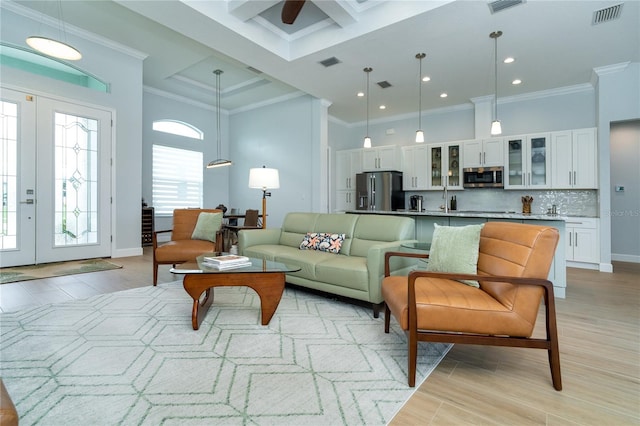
{"type": "Point", "coordinates": [8, 413]}
{"type": "Point", "coordinates": [182, 248]}
{"type": "Point", "coordinates": [513, 264]}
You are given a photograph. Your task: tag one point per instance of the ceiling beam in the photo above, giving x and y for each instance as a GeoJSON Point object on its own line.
{"type": "Point", "coordinates": [338, 10]}
{"type": "Point", "coordinates": [248, 9]}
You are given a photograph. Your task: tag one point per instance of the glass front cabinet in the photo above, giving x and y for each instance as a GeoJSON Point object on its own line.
{"type": "Point", "coordinates": [528, 162]}
{"type": "Point", "coordinates": [445, 160]}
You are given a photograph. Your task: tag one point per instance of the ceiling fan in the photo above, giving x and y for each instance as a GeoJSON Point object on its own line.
{"type": "Point", "coordinates": [290, 10]}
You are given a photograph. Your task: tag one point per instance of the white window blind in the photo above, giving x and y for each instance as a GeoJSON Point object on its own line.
{"type": "Point", "coordinates": [177, 179]}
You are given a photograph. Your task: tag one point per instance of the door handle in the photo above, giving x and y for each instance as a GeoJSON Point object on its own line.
{"type": "Point", "coordinates": [27, 201]}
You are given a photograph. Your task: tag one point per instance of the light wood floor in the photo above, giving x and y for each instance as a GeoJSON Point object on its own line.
{"type": "Point", "coordinates": [599, 332]}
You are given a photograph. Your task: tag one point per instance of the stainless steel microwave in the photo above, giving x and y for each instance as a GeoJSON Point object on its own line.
{"type": "Point", "coordinates": [483, 177]}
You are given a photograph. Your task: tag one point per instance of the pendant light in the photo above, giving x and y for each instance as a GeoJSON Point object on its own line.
{"type": "Point", "coordinates": [496, 127]}
{"type": "Point", "coordinates": [367, 139]}
{"type": "Point", "coordinates": [420, 133]}
{"type": "Point", "coordinates": [55, 48]}
{"type": "Point", "coordinates": [220, 162]}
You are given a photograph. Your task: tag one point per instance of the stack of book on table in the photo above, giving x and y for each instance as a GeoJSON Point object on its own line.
{"type": "Point", "coordinates": [229, 261]}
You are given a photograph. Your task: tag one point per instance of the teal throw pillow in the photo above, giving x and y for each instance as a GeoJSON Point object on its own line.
{"type": "Point", "coordinates": [207, 226]}
{"type": "Point", "coordinates": [455, 249]}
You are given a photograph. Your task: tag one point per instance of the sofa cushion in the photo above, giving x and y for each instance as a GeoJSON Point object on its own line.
{"type": "Point", "coordinates": [338, 224]}
{"type": "Point", "coordinates": [371, 230]}
{"type": "Point", "coordinates": [306, 260]}
{"type": "Point", "coordinates": [344, 271]}
{"type": "Point", "coordinates": [455, 249]}
{"type": "Point", "coordinates": [295, 226]}
{"type": "Point", "coordinates": [310, 241]}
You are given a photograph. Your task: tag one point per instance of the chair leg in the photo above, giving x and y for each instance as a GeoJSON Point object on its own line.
{"type": "Point", "coordinates": [387, 318]}
{"type": "Point", "coordinates": [413, 358]}
{"type": "Point", "coordinates": [554, 363]}
{"type": "Point", "coordinates": [155, 274]}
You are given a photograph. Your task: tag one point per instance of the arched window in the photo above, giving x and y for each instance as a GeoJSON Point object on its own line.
{"type": "Point", "coordinates": [179, 128]}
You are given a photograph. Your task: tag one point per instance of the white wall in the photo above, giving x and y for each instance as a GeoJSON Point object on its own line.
{"type": "Point", "coordinates": [122, 69]}
{"type": "Point", "coordinates": [625, 205]}
{"type": "Point", "coordinates": [277, 136]}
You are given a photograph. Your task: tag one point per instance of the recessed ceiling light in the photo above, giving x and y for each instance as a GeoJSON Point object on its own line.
{"type": "Point", "coordinates": [426, 78]}
{"type": "Point", "coordinates": [516, 81]}
{"type": "Point", "coordinates": [443, 95]}
{"type": "Point", "coordinates": [360, 94]}
{"type": "Point", "coordinates": [509, 60]}
{"type": "Point", "coordinates": [382, 107]}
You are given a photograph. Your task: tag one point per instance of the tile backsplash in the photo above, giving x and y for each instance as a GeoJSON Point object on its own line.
{"type": "Point", "coordinates": [568, 202]}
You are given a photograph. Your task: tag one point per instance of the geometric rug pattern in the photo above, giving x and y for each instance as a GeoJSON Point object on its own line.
{"type": "Point", "coordinates": [132, 358]}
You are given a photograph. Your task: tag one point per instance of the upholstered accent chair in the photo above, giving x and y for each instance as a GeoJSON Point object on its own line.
{"type": "Point", "coordinates": [512, 269]}
{"type": "Point", "coordinates": [189, 239]}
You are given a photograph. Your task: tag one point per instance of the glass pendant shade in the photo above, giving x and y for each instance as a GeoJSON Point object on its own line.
{"type": "Point", "coordinates": [54, 48]}
{"type": "Point", "coordinates": [420, 132]}
{"type": "Point", "coordinates": [496, 128]}
{"type": "Point", "coordinates": [419, 136]}
{"type": "Point", "coordinates": [367, 142]}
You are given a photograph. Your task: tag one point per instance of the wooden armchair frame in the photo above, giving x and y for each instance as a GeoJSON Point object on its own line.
{"type": "Point", "coordinates": [550, 342]}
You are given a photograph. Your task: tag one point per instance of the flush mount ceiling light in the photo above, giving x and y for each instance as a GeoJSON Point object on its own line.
{"type": "Point", "coordinates": [419, 132]}
{"type": "Point", "coordinates": [367, 139]}
{"type": "Point", "coordinates": [496, 127]}
{"type": "Point", "coordinates": [220, 162]}
{"type": "Point", "coordinates": [55, 48]}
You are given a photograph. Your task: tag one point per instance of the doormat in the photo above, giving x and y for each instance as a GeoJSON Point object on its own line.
{"type": "Point", "coordinates": [55, 269]}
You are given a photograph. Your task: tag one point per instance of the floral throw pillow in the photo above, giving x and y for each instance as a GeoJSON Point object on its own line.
{"type": "Point", "coordinates": [331, 243]}
{"type": "Point", "coordinates": [310, 241]}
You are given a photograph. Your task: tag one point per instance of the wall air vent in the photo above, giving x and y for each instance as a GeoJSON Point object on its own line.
{"type": "Point", "coordinates": [607, 14]}
{"type": "Point", "coordinates": [500, 5]}
{"type": "Point", "coordinates": [255, 70]}
{"type": "Point", "coordinates": [330, 61]}
{"type": "Point", "coordinates": [384, 84]}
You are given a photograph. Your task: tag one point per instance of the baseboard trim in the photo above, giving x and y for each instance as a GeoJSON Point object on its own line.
{"type": "Point", "coordinates": [625, 258]}
{"type": "Point", "coordinates": [606, 267]}
{"type": "Point", "coordinates": [127, 252]}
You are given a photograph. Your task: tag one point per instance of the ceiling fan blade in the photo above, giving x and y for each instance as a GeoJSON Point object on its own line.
{"type": "Point", "coordinates": [290, 10]}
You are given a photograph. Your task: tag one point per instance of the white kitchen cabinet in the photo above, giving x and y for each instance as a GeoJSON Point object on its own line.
{"type": "Point", "coordinates": [348, 164]}
{"type": "Point", "coordinates": [415, 167]}
{"type": "Point", "coordinates": [345, 200]}
{"type": "Point", "coordinates": [574, 159]}
{"type": "Point", "coordinates": [483, 153]}
{"type": "Point", "coordinates": [528, 163]}
{"type": "Point", "coordinates": [446, 165]}
{"type": "Point", "coordinates": [381, 158]}
{"type": "Point", "coordinates": [582, 240]}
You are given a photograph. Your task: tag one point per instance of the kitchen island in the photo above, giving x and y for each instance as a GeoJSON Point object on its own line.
{"type": "Point", "coordinates": [425, 220]}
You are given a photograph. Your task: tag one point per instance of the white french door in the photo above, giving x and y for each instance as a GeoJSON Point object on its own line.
{"type": "Point", "coordinates": [56, 180]}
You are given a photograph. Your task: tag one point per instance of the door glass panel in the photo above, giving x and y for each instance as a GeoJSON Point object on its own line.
{"type": "Point", "coordinates": [9, 172]}
{"type": "Point", "coordinates": [436, 166]}
{"type": "Point", "coordinates": [539, 161]}
{"type": "Point", "coordinates": [76, 180]}
{"type": "Point", "coordinates": [516, 173]}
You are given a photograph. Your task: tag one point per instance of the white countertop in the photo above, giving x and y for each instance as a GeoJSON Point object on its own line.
{"type": "Point", "coordinates": [467, 213]}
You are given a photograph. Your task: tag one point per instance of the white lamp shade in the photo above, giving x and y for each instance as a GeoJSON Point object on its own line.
{"type": "Point", "coordinates": [367, 142]}
{"type": "Point", "coordinates": [496, 128]}
{"type": "Point", "coordinates": [263, 178]}
{"type": "Point", "coordinates": [419, 136]}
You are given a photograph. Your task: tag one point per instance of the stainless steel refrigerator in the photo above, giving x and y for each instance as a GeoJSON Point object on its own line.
{"type": "Point", "coordinates": [380, 191]}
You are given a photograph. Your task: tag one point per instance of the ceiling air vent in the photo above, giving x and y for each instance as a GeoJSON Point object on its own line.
{"type": "Point", "coordinates": [384, 84]}
{"type": "Point", "coordinates": [330, 61]}
{"type": "Point", "coordinates": [255, 70]}
{"type": "Point", "coordinates": [607, 14]}
{"type": "Point", "coordinates": [500, 5]}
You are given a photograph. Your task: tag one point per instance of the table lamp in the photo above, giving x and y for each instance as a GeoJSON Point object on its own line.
{"type": "Point", "coordinates": [263, 178]}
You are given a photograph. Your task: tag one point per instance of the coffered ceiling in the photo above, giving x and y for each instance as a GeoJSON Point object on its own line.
{"type": "Point", "coordinates": [555, 45]}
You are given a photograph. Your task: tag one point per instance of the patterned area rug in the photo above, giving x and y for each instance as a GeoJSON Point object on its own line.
{"type": "Point", "coordinates": [55, 269]}
{"type": "Point", "coordinates": [131, 357]}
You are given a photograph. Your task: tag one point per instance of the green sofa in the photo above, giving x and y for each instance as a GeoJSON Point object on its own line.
{"type": "Point", "coordinates": [355, 272]}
